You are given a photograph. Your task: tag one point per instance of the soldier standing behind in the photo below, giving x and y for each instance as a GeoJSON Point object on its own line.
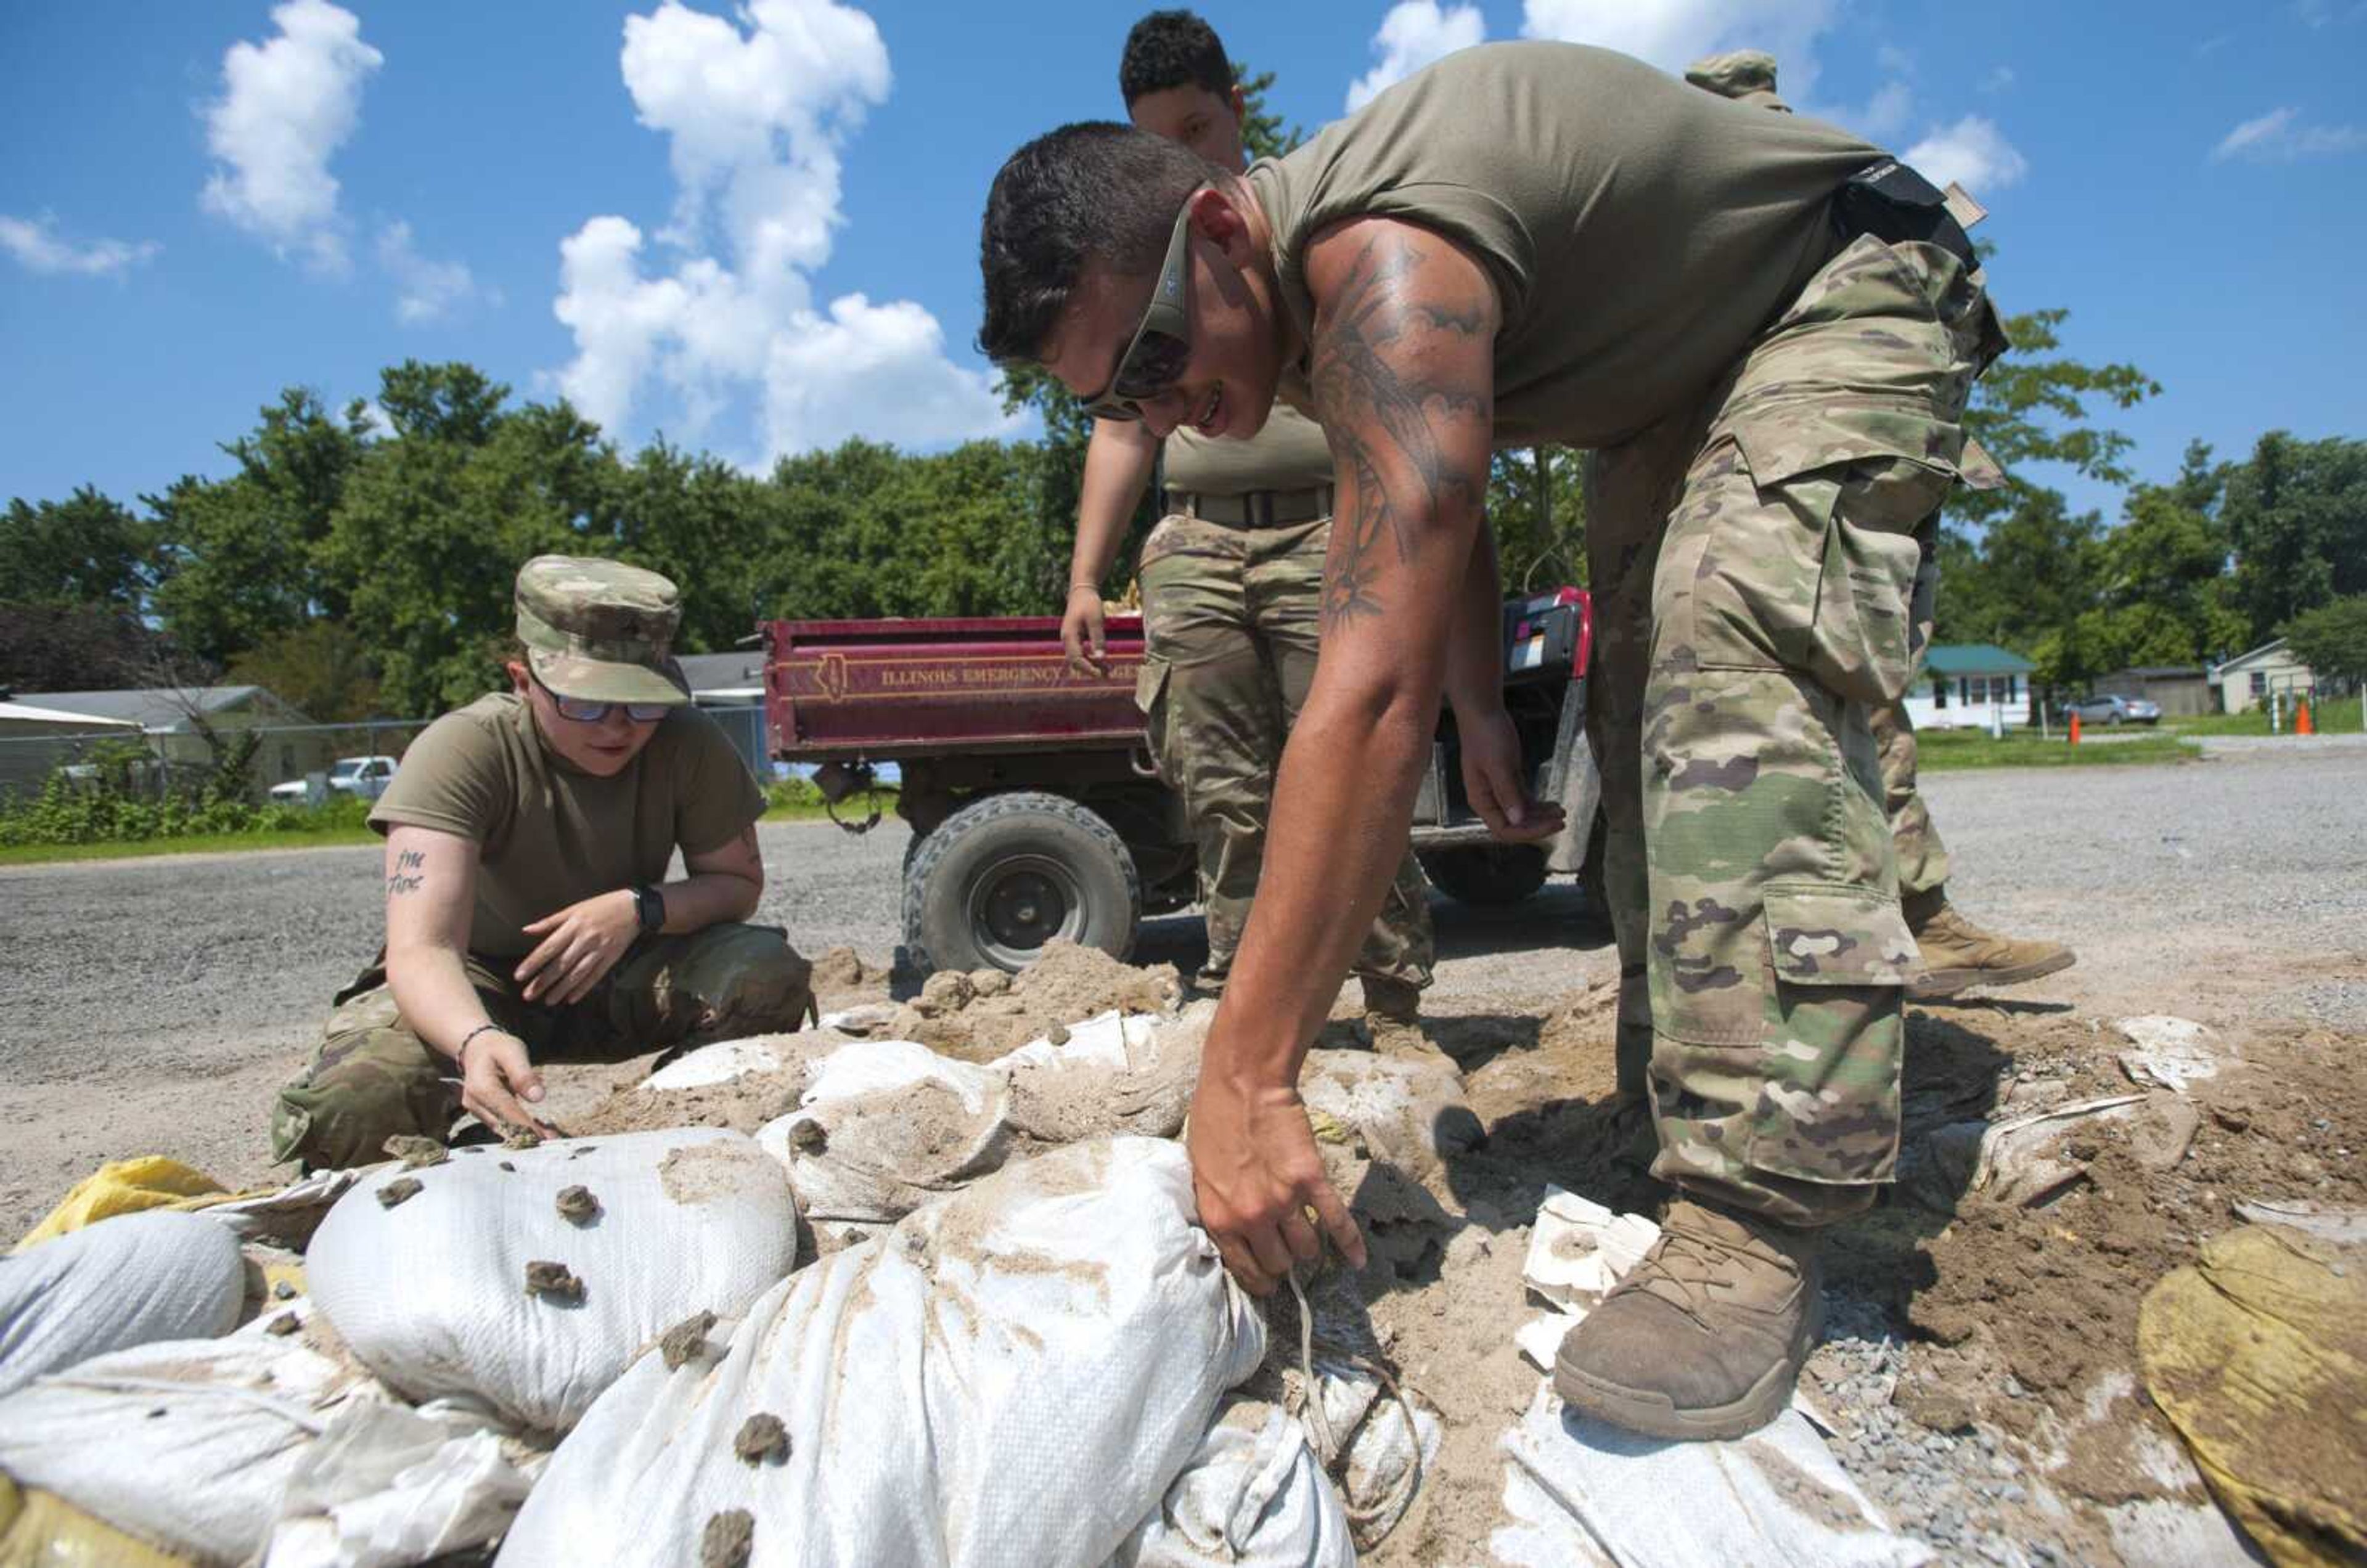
{"type": "Point", "coordinates": [527, 838]}
{"type": "Point", "coordinates": [1232, 578]}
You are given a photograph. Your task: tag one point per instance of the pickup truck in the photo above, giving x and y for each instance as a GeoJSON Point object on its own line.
{"type": "Point", "coordinates": [1036, 809]}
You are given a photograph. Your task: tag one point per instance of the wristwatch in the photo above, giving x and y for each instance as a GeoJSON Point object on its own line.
{"type": "Point", "coordinates": [650, 904]}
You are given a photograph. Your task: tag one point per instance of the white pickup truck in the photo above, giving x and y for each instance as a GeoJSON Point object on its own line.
{"type": "Point", "coordinates": [365, 776]}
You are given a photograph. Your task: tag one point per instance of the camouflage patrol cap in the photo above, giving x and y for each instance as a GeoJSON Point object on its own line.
{"type": "Point", "coordinates": [1737, 73]}
{"type": "Point", "coordinates": [600, 630]}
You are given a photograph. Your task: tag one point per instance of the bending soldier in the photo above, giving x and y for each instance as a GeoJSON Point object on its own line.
{"type": "Point", "coordinates": [1767, 331]}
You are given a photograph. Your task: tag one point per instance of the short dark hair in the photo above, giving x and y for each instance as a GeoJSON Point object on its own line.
{"type": "Point", "coordinates": [1173, 48]}
{"type": "Point", "coordinates": [1093, 192]}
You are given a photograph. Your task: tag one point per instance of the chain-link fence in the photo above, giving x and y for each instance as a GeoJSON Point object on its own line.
{"type": "Point", "coordinates": [151, 763]}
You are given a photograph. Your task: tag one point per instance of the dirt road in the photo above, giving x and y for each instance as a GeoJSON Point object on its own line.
{"type": "Point", "coordinates": [152, 1006]}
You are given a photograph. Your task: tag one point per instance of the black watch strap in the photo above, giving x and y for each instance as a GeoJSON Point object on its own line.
{"type": "Point", "coordinates": [650, 905]}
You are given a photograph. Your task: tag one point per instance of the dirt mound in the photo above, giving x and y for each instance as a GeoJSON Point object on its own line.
{"type": "Point", "coordinates": [2027, 1315]}
{"type": "Point", "coordinates": [986, 1014]}
{"type": "Point", "coordinates": [842, 978]}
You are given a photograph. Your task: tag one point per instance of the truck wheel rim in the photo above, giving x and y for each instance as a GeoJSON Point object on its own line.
{"type": "Point", "coordinates": [1020, 902]}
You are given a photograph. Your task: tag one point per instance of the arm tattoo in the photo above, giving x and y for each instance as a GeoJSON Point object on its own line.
{"type": "Point", "coordinates": [410, 871]}
{"type": "Point", "coordinates": [1380, 423]}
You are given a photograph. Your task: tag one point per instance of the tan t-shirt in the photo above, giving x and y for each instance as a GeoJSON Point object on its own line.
{"type": "Point", "coordinates": [549, 835]}
{"type": "Point", "coordinates": [1289, 452]}
{"type": "Point", "coordinates": [1640, 232]}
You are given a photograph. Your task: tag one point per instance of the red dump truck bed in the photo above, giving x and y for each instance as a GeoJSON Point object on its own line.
{"type": "Point", "coordinates": [886, 689]}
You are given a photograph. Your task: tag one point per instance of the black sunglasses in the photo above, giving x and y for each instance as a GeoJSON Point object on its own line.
{"type": "Point", "coordinates": [584, 711]}
{"type": "Point", "coordinates": [1162, 345]}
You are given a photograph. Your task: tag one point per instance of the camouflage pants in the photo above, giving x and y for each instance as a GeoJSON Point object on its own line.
{"type": "Point", "coordinates": [1762, 573]}
{"type": "Point", "coordinates": [1231, 618]}
{"type": "Point", "coordinates": [1922, 858]}
{"type": "Point", "coordinates": [371, 1078]}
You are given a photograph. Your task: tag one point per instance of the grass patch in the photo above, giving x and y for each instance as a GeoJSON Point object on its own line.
{"type": "Point", "coordinates": [1946, 751]}
{"type": "Point", "coordinates": [188, 844]}
{"type": "Point", "coordinates": [2336, 715]}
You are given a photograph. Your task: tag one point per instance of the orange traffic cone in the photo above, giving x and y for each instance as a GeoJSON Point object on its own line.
{"type": "Point", "coordinates": [2301, 719]}
{"type": "Point", "coordinates": [2075, 728]}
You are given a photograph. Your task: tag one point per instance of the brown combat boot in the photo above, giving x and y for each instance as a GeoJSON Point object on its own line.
{"type": "Point", "coordinates": [1958, 954]}
{"type": "Point", "coordinates": [1703, 1338]}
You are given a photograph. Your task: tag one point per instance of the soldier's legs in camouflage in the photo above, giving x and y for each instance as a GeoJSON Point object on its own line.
{"type": "Point", "coordinates": [1782, 602]}
{"type": "Point", "coordinates": [1629, 491]}
{"type": "Point", "coordinates": [1215, 717]}
{"type": "Point", "coordinates": [721, 983]}
{"type": "Point", "coordinates": [369, 1078]}
{"type": "Point", "coordinates": [1284, 592]}
{"type": "Point", "coordinates": [1922, 858]}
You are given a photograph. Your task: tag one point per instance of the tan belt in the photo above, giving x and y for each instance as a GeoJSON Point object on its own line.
{"type": "Point", "coordinates": [1255, 509]}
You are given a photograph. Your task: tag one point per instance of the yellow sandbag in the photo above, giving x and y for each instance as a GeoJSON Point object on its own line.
{"type": "Point", "coordinates": [2258, 1354]}
{"type": "Point", "coordinates": [124, 1186]}
{"type": "Point", "coordinates": [42, 1530]}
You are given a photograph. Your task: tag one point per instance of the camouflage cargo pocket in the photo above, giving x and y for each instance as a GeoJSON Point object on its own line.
{"type": "Point", "coordinates": [1828, 1107]}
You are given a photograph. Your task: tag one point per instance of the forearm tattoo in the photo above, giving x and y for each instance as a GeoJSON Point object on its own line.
{"type": "Point", "coordinates": [1383, 425]}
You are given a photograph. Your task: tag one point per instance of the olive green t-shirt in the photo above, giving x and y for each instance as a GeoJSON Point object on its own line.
{"type": "Point", "coordinates": [548, 834]}
{"type": "Point", "coordinates": [1640, 232]}
{"type": "Point", "coordinates": [1288, 453]}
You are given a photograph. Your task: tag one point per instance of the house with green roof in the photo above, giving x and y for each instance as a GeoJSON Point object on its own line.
{"type": "Point", "coordinates": [1970, 685]}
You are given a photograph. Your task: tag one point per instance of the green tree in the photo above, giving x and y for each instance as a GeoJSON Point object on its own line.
{"type": "Point", "coordinates": [2297, 516]}
{"type": "Point", "coordinates": [436, 518]}
{"type": "Point", "coordinates": [74, 647]}
{"type": "Point", "coordinates": [2332, 639]}
{"type": "Point", "coordinates": [2037, 405]}
{"type": "Point", "coordinates": [321, 667]}
{"type": "Point", "coordinates": [246, 551]}
{"type": "Point", "coordinates": [86, 549]}
{"type": "Point", "coordinates": [1537, 508]}
{"type": "Point", "coordinates": [1263, 134]}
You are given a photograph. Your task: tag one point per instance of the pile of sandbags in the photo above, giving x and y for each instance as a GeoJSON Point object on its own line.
{"type": "Point", "coordinates": [604, 1349]}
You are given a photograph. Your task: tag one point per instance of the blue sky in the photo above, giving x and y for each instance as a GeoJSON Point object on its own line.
{"type": "Point", "coordinates": [753, 229]}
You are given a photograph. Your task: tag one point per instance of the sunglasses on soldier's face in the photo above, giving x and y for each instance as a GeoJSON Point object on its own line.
{"type": "Point", "coordinates": [584, 711]}
{"type": "Point", "coordinates": [1162, 345]}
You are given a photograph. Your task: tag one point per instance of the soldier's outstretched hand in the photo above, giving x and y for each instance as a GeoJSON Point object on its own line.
{"type": "Point", "coordinates": [1255, 1173]}
{"type": "Point", "coordinates": [1081, 631]}
{"type": "Point", "coordinates": [499, 1085]}
{"type": "Point", "coordinates": [1495, 781]}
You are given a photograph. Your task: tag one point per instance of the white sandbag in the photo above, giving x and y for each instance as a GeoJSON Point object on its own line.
{"type": "Point", "coordinates": [389, 1487]}
{"type": "Point", "coordinates": [432, 1293]}
{"type": "Point", "coordinates": [198, 1446]}
{"type": "Point", "coordinates": [132, 1279]}
{"type": "Point", "coordinates": [1254, 1495]}
{"type": "Point", "coordinates": [719, 1063]}
{"type": "Point", "coordinates": [1116, 1073]}
{"type": "Point", "coordinates": [885, 1125]}
{"type": "Point", "coordinates": [1579, 1494]}
{"type": "Point", "coordinates": [286, 1216]}
{"type": "Point", "coordinates": [1013, 1375]}
{"type": "Point", "coordinates": [1408, 1111]}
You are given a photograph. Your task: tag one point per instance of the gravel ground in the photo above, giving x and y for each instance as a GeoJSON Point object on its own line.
{"type": "Point", "coordinates": [152, 1005]}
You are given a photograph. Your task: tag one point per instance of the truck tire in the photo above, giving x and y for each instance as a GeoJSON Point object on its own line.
{"type": "Point", "coordinates": [1487, 874]}
{"type": "Point", "coordinates": [1003, 875]}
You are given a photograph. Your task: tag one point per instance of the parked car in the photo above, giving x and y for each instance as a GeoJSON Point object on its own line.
{"type": "Point", "coordinates": [365, 776]}
{"type": "Point", "coordinates": [2117, 710]}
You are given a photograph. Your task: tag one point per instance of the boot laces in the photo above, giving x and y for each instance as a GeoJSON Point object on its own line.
{"type": "Point", "coordinates": [1685, 1268]}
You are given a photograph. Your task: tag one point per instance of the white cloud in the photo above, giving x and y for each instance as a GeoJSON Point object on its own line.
{"type": "Point", "coordinates": [288, 104]}
{"type": "Point", "coordinates": [755, 113]}
{"type": "Point", "coordinates": [1999, 78]}
{"type": "Point", "coordinates": [1671, 34]}
{"type": "Point", "coordinates": [35, 244]}
{"type": "Point", "coordinates": [1414, 34]}
{"type": "Point", "coordinates": [2280, 137]}
{"type": "Point", "coordinates": [425, 289]}
{"type": "Point", "coordinates": [1973, 152]}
